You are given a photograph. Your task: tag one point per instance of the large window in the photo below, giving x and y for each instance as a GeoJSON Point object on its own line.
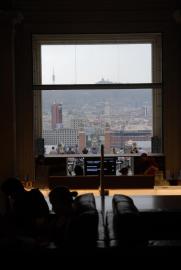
{"type": "Point", "coordinates": [98, 89]}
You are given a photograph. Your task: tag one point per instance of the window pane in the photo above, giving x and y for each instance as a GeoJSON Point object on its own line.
{"type": "Point", "coordinates": [96, 63]}
{"type": "Point", "coordinates": [76, 119]}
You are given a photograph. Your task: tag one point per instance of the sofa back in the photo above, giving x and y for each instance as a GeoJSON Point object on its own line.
{"type": "Point", "coordinates": [126, 221]}
{"type": "Point", "coordinates": [144, 225]}
{"type": "Point", "coordinates": [84, 230]}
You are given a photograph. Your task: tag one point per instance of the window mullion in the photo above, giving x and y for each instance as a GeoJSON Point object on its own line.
{"type": "Point", "coordinates": [96, 86]}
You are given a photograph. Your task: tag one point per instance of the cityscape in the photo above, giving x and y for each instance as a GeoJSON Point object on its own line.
{"type": "Point", "coordinates": [79, 121]}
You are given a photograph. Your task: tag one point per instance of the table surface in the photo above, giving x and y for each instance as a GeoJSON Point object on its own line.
{"type": "Point", "coordinates": [153, 199]}
{"type": "Point", "coordinates": [147, 202]}
{"type": "Point", "coordinates": [170, 202]}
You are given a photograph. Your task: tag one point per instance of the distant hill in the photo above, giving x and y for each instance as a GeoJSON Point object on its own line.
{"type": "Point", "coordinates": [77, 98]}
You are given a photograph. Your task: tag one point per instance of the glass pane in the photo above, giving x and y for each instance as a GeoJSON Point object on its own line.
{"type": "Point", "coordinates": [93, 64]}
{"type": "Point", "coordinates": [74, 121]}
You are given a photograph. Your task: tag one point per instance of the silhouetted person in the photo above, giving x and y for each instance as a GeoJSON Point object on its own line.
{"type": "Point", "coordinates": [84, 151]}
{"type": "Point", "coordinates": [141, 164]}
{"type": "Point", "coordinates": [28, 209]}
{"type": "Point", "coordinates": [70, 151]}
{"type": "Point", "coordinates": [134, 149]}
{"type": "Point", "coordinates": [152, 167]}
{"type": "Point", "coordinates": [61, 200]}
{"type": "Point", "coordinates": [78, 170]}
{"type": "Point", "coordinates": [146, 165]}
{"type": "Point", "coordinates": [124, 171]}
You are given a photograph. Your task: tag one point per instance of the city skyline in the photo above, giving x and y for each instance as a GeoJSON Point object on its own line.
{"type": "Point", "coordinates": [97, 113]}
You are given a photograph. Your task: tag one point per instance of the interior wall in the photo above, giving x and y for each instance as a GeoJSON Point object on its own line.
{"type": "Point", "coordinates": [24, 103]}
{"type": "Point", "coordinates": [7, 99]}
{"type": "Point", "coordinates": [171, 100]}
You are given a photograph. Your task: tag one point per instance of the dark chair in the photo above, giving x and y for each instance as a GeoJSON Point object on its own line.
{"type": "Point", "coordinates": [128, 226]}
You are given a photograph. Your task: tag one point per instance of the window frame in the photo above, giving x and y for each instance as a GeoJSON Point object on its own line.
{"type": "Point", "coordinates": [156, 85]}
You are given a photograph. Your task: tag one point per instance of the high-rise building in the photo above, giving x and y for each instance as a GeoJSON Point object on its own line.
{"type": "Point", "coordinates": [56, 111]}
{"type": "Point", "coordinates": [107, 140]}
{"type": "Point", "coordinates": [82, 140]}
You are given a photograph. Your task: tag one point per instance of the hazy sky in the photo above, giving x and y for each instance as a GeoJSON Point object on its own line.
{"type": "Point", "coordinates": [119, 63]}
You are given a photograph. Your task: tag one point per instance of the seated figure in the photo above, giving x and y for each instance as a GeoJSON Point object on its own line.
{"type": "Point", "coordinates": [27, 210]}
{"type": "Point", "coordinates": [76, 219]}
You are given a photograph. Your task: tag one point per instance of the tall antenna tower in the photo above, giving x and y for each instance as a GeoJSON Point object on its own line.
{"type": "Point", "coordinates": [75, 64]}
{"type": "Point", "coordinates": [53, 77]}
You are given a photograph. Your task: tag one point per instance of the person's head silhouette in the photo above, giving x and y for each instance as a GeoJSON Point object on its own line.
{"type": "Point", "coordinates": [78, 170]}
{"type": "Point", "coordinates": [124, 171]}
{"type": "Point", "coordinates": [12, 187]}
{"type": "Point", "coordinates": [61, 199]}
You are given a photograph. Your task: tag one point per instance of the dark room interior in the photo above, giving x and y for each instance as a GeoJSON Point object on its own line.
{"type": "Point", "coordinates": [120, 218]}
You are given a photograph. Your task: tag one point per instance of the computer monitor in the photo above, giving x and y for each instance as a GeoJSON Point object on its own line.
{"type": "Point", "coordinates": [92, 165]}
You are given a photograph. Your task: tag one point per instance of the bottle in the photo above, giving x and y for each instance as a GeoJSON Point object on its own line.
{"type": "Point", "coordinates": [159, 180]}
{"type": "Point", "coordinates": [28, 182]}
